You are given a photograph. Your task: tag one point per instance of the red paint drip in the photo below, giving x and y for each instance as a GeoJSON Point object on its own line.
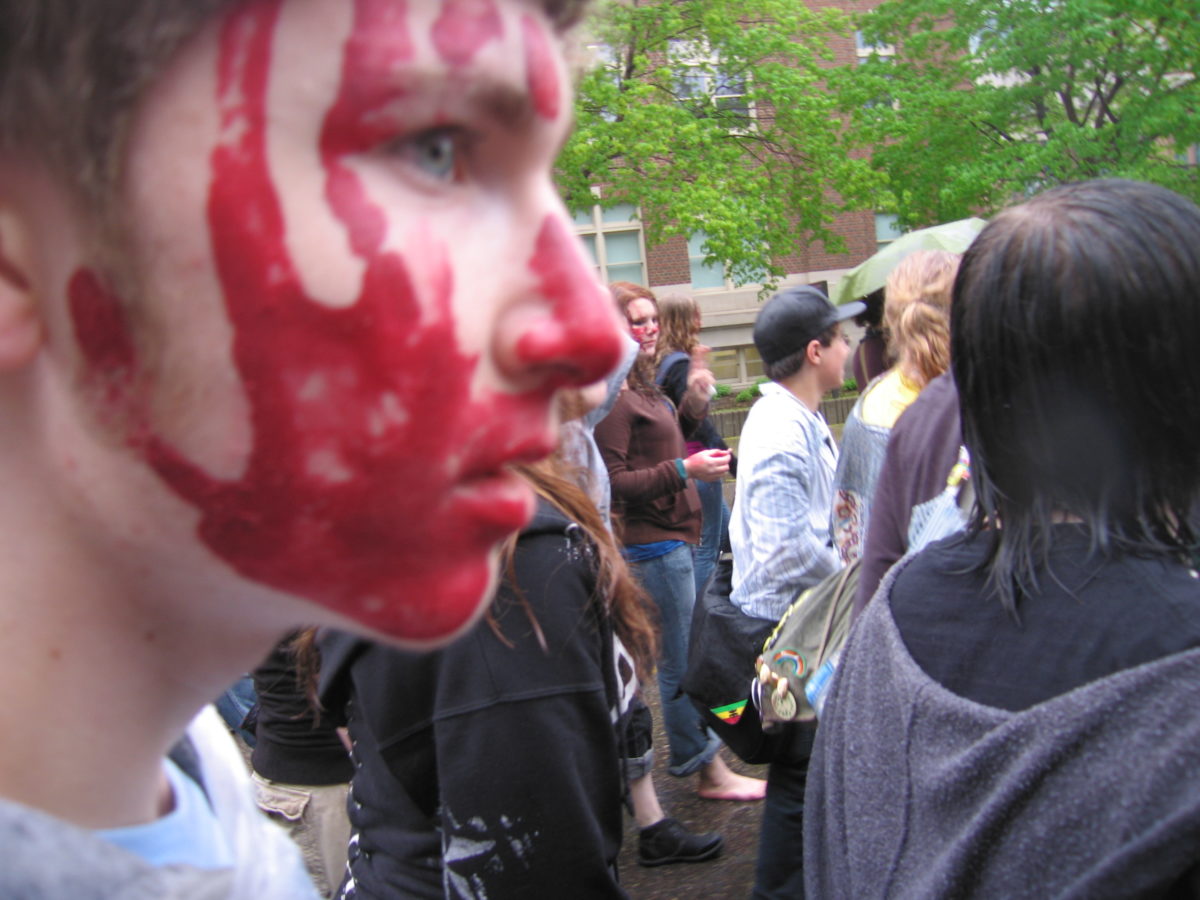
{"type": "Point", "coordinates": [110, 365]}
{"type": "Point", "coordinates": [541, 73]}
{"type": "Point", "coordinates": [101, 330]}
{"type": "Point", "coordinates": [463, 27]}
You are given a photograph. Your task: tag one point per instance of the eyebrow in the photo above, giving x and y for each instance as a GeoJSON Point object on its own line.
{"type": "Point", "coordinates": [507, 105]}
{"type": "Point", "coordinates": [510, 107]}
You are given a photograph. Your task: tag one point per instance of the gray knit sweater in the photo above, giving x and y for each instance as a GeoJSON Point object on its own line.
{"type": "Point", "coordinates": [916, 792]}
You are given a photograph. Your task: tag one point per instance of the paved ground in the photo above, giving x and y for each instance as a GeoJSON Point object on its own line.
{"type": "Point", "coordinates": [731, 875]}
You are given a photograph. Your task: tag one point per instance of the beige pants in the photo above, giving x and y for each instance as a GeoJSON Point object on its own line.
{"type": "Point", "coordinates": [315, 818]}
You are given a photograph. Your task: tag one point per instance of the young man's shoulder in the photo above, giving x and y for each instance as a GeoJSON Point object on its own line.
{"type": "Point", "coordinates": [778, 418]}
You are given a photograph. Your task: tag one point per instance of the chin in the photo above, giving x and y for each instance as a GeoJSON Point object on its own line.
{"type": "Point", "coordinates": [430, 608]}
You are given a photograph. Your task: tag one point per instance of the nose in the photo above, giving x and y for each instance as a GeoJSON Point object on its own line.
{"type": "Point", "coordinates": [571, 335]}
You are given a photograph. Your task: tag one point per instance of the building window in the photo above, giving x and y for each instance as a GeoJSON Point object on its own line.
{"type": "Point", "coordinates": [613, 237]}
{"type": "Point", "coordinates": [709, 89]}
{"type": "Point", "coordinates": [704, 275]}
{"type": "Point", "coordinates": [887, 229]}
{"type": "Point", "coordinates": [736, 365]}
{"type": "Point", "coordinates": [864, 50]}
{"type": "Point", "coordinates": [710, 276]}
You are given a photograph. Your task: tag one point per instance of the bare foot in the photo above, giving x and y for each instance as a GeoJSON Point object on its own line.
{"type": "Point", "coordinates": [719, 782]}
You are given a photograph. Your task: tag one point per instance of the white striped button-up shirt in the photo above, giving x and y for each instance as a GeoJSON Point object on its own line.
{"type": "Point", "coordinates": [779, 529]}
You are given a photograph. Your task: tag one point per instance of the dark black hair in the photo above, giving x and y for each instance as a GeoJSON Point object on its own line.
{"type": "Point", "coordinates": [794, 362]}
{"type": "Point", "coordinates": [1073, 342]}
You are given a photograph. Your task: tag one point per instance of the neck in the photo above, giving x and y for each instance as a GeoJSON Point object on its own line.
{"type": "Point", "coordinates": [102, 661]}
{"type": "Point", "coordinates": [803, 385]}
{"type": "Point", "coordinates": [93, 698]}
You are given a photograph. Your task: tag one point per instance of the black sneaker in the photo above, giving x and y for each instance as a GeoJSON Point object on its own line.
{"type": "Point", "coordinates": [668, 842]}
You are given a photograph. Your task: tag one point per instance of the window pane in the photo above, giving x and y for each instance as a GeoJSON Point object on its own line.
{"type": "Point", "coordinates": [730, 83]}
{"type": "Point", "coordinates": [583, 218]}
{"type": "Point", "coordinates": [622, 247]}
{"type": "Point", "coordinates": [589, 241]}
{"type": "Point", "coordinates": [703, 275]}
{"type": "Point", "coordinates": [737, 106]}
{"type": "Point", "coordinates": [886, 228]}
{"type": "Point", "coordinates": [693, 83]}
{"type": "Point", "coordinates": [706, 276]}
{"type": "Point", "coordinates": [628, 272]}
{"type": "Point", "coordinates": [724, 364]}
{"type": "Point", "coordinates": [622, 212]}
{"type": "Point", "coordinates": [754, 366]}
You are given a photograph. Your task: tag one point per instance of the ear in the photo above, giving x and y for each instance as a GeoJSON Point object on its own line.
{"type": "Point", "coordinates": [20, 323]}
{"type": "Point", "coordinates": [812, 353]}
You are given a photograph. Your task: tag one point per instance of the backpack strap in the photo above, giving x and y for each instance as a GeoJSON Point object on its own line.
{"type": "Point", "coordinates": [668, 362]}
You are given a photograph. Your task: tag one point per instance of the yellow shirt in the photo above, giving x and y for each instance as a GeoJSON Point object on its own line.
{"type": "Point", "coordinates": [889, 397]}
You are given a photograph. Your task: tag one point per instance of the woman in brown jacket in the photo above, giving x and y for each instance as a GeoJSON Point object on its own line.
{"type": "Point", "coordinates": [658, 513]}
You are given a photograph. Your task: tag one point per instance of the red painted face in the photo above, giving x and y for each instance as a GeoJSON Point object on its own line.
{"type": "Point", "coordinates": [642, 317]}
{"type": "Point", "coordinates": [380, 428]}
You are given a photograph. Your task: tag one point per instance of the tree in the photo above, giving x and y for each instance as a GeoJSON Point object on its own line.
{"type": "Point", "coordinates": [987, 101]}
{"type": "Point", "coordinates": [712, 117]}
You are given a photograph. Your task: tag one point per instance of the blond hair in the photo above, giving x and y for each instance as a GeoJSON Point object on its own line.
{"type": "Point", "coordinates": [916, 313]}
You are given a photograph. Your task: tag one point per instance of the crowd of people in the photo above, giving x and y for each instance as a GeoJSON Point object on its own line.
{"type": "Point", "coordinates": [305, 376]}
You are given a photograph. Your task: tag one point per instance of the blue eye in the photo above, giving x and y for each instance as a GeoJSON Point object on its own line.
{"type": "Point", "coordinates": [435, 152]}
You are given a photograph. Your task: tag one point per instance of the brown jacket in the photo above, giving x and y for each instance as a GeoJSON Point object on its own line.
{"type": "Point", "coordinates": [640, 441]}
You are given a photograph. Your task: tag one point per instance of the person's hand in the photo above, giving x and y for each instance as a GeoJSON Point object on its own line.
{"type": "Point", "coordinates": [700, 381]}
{"type": "Point", "coordinates": [707, 465]}
{"type": "Point", "coordinates": [775, 689]}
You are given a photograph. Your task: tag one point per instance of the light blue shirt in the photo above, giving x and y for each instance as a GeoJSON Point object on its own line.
{"type": "Point", "coordinates": [779, 529]}
{"type": "Point", "coordinates": [188, 834]}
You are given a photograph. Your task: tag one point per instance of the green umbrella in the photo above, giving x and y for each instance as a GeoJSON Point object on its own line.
{"type": "Point", "coordinates": [871, 275]}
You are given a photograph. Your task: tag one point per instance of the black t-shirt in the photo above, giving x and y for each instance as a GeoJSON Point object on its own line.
{"type": "Point", "coordinates": [1091, 616]}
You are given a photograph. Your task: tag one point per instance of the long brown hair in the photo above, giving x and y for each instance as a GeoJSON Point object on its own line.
{"type": "Point", "coordinates": [621, 599]}
{"type": "Point", "coordinates": [677, 329]}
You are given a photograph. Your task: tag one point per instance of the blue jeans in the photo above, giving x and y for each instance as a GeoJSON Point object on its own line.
{"type": "Point", "coordinates": [713, 530]}
{"type": "Point", "coordinates": [669, 580]}
{"type": "Point", "coordinates": [235, 704]}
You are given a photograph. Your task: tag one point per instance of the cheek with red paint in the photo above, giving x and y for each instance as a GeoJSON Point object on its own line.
{"type": "Point", "coordinates": [374, 484]}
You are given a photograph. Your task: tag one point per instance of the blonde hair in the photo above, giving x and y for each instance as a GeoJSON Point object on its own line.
{"type": "Point", "coordinates": [916, 313]}
{"type": "Point", "coordinates": [677, 325]}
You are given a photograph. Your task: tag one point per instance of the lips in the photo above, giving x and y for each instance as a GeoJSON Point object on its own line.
{"type": "Point", "coordinates": [489, 495]}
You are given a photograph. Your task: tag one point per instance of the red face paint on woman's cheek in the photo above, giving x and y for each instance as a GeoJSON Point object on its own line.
{"type": "Point", "coordinates": [463, 27]}
{"type": "Point", "coordinates": [363, 427]}
{"type": "Point", "coordinates": [541, 73]}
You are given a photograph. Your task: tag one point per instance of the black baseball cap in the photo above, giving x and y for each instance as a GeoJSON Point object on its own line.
{"type": "Point", "coordinates": [794, 317]}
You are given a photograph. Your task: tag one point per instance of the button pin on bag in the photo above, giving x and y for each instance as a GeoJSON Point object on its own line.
{"type": "Point", "coordinates": [783, 701]}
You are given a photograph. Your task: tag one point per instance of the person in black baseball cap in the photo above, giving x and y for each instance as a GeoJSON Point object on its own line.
{"type": "Point", "coordinates": [779, 529]}
{"type": "Point", "coordinates": [793, 318]}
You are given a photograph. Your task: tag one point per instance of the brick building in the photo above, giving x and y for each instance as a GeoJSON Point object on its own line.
{"type": "Point", "coordinates": [617, 243]}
